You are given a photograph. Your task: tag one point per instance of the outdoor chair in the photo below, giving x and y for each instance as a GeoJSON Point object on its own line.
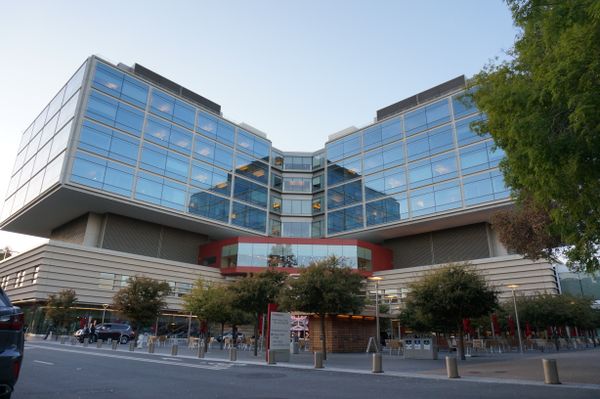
{"type": "Point", "coordinates": [393, 345]}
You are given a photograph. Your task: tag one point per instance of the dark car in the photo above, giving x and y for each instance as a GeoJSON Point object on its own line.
{"type": "Point", "coordinates": [116, 331]}
{"type": "Point", "coordinates": [12, 343]}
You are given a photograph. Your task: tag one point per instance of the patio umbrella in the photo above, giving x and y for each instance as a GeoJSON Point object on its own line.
{"type": "Point", "coordinates": [495, 324]}
{"type": "Point", "coordinates": [511, 326]}
{"type": "Point", "coordinates": [528, 332]}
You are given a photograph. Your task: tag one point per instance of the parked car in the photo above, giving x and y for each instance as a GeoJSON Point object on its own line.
{"type": "Point", "coordinates": [12, 344]}
{"type": "Point", "coordinates": [116, 331]}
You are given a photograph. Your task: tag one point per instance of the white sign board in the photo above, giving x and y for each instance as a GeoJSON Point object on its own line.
{"type": "Point", "coordinates": [279, 331]}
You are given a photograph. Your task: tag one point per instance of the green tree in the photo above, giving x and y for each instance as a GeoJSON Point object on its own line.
{"type": "Point", "coordinates": [141, 301]}
{"type": "Point", "coordinates": [446, 296]}
{"type": "Point", "coordinates": [252, 294]}
{"type": "Point", "coordinates": [5, 253]}
{"type": "Point", "coordinates": [542, 110]}
{"type": "Point", "coordinates": [325, 288]}
{"type": "Point", "coordinates": [60, 308]}
{"type": "Point", "coordinates": [213, 303]}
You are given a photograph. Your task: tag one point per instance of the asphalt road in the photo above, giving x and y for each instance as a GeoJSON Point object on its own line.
{"type": "Point", "coordinates": [51, 371]}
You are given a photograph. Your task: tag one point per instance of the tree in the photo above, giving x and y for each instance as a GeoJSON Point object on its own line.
{"type": "Point", "coordinates": [542, 110]}
{"type": "Point", "coordinates": [141, 301]}
{"type": "Point", "coordinates": [213, 303]}
{"type": "Point", "coordinates": [446, 296]}
{"type": "Point", "coordinates": [5, 253]}
{"type": "Point", "coordinates": [252, 294]}
{"type": "Point", "coordinates": [60, 308]}
{"type": "Point", "coordinates": [325, 288]}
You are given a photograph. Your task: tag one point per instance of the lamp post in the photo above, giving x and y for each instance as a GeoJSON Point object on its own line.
{"type": "Point", "coordinates": [104, 306]}
{"type": "Point", "coordinates": [513, 287]}
{"type": "Point", "coordinates": [377, 336]}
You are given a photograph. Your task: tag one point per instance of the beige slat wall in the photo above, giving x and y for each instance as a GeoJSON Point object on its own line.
{"type": "Point", "coordinates": [532, 277]}
{"type": "Point", "coordinates": [71, 266]}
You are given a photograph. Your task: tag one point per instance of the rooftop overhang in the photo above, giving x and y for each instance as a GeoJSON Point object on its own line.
{"type": "Point", "coordinates": [65, 203]}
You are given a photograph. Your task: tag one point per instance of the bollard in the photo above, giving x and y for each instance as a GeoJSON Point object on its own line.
{"type": "Point", "coordinates": [174, 349]}
{"type": "Point", "coordinates": [73, 341]}
{"type": "Point", "coordinates": [550, 371]}
{"type": "Point", "coordinates": [452, 367]}
{"type": "Point", "coordinates": [318, 360]}
{"type": "Point", "coordinates": [377, 363]}
{"type": "Point", "coordinates": [115, 344]}
{"type": "Point", "coordinates": [232, 354]}
{"type": "Point", "coordinates": [151, 347]}
{"type": "Point", "coordinates": [201, 350]}
{"type": "Point", "coordinates": [86, 341]}
{"type": "Point", "coordinates": [131, 346]}
{"type": "Point", "coordinates": [63, 339]}
{"type": "Point", "coordinates": [109, 341]}
{"type": "Point", "coordinates": [271, 357]}
{"type": "Point", "coordinates": [99, 343]}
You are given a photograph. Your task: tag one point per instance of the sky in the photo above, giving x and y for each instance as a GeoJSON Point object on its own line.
{"type": "Point", "coordinates": [296, 70]}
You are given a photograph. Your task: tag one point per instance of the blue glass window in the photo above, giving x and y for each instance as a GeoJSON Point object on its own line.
{"type": "Point", "coordinates": [465, 134]}
{"type": "Point", "coordinates": [373, 162]}
{"type": "Point", "coordinates": [415, 121]}
{"type": "Point", "coordinates": [184, 114]}
{"type": "Point", "coordinates": [114, 113]}
{"type": "Point", "coordinates": [252, 193]}
{"type": "Point", "coordinates": [345, 219]}
{"type": "Point", "coordinates": [164, 162]}
{"type": "Point", "coordinates": [120, 85]}
{"type": "Point", "coordinates": [296, 207]}
{"type": "Point", "coordinates": [160, 191]}
{"type": "Point", "coordinates": [426, 117]}
{"type": "Point", "coordinates": [249, 217]}
{"type": "Point", "coordinates": [385, 183]}
{"type": "Point", "coordinates": [252, 168]}
{"type": "Point", "coordinates": [480, 157]}
{"type": "Point", "coordinates": [344, 147]}
{"type": "Point", "coordinates": [109, 143]}
{"type": "Point", "coordinates": [393, 155]}
{"type": "Point", "coordinates": [345, 194]}
{"type": "Point", "coordinates": [210, 178]}
{"type": "Point", "coordinates": [432, 142]}
{"type": "Point", "coordinates": [207, 205]}
{"type": "Point", "coordinates": [168, 135]}
{"type": "Point", "coordinates": [463, 104]}
{"type": "Point", "coordinates": [207, 125]}
{"type": "Point", "coordinates": [162, 104]}
{"type": "Point", "coordinates": [253, 145]}
{"type": "Point", "coordinates": [297, 184]}
{"type": "Point", "coordinates": [213, 153]}
{"type": "Point", "coordinates": [484, 187]}
{"type": "Point", "coordinates": [387, 210]}
{"type": "Point", "coordinates": [296, 229]}
{"type": "Point", "coordinates": [347, 169]}
{"type": "Point", "coordinates": [438, 198]}
{"type": "Point", "coordinates": [102, 174]}
{"type": "Point", "coordinates": [432, 170]}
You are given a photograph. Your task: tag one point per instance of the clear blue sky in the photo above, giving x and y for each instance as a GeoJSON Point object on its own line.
{"type": "Point", "coordinates": [297, 70]}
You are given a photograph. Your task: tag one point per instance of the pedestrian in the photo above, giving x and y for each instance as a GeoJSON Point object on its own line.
{"type": "Point", "coordinates": [93, 331]}
{"type": "Point", "coordinates": [49, 330]}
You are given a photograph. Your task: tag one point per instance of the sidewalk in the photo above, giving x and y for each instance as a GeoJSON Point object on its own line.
{"type": "Point", "coordinates": [574, 367]}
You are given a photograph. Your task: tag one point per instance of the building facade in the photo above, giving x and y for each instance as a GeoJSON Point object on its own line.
{"type": "Point", "coordinates": [127, 172]}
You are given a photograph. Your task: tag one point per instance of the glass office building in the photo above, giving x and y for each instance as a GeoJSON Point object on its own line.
{"type": "Point", "coordinates": [124, 159]}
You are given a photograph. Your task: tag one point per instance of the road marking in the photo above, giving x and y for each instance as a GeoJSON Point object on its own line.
{"type": "Point", "coordinates": [40, 362]}
{"type": "Point", "coordinates": [171, 358]}
{"type": "Point", "coordinates": [214, 366]}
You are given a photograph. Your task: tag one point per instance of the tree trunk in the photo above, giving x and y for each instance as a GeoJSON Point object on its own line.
{"type": "Point", "coordinates": [256, 335]}
{"type": "Point", "coordinates": [222, 337]}
{"type": "Point", "coordinates": [461, 342]}
{"type": "Point", "coordinates": [323, 337]}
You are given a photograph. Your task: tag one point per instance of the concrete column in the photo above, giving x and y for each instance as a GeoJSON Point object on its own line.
{"type": "Point", "coordinates": [452, 367]}
{"type": "Point", "coordinates": [318, 360]}
{"type": "Point", "coordinates": [174, 350]}
{"type": "Point", "coordinates": [232, 354]}
{"type": "Point", "coordinates": [550, 371]}
{"type": "Point", "coordinates": [377, 363]}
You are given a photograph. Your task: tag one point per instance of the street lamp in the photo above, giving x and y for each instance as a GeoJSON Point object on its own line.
{"type": "Point", "coordinates": [377, 336]}
{"type": "Point", "coordinates": [513, 287]}
{"type": "Point", "coordinates": [104, 306]}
